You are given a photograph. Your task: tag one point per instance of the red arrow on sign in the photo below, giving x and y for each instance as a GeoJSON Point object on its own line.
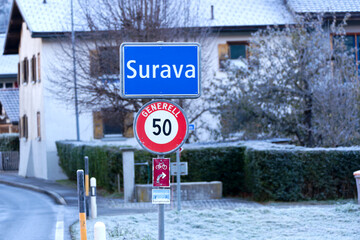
{"type": "Point", "coordinates": [161, 172]}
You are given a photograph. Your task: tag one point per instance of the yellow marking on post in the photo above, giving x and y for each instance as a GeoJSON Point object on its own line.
{"type": "Point", "coordinates": [87, 185]}
{"type": "Point", "coordinates": [82, 217]}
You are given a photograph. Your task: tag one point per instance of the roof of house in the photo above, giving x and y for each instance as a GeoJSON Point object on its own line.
{"type": "Point", "coordinates": [8, 63]}
{"type": "Point", "coordinates": [9, 98]}
{"type": "Point", "coordinates": [54, 15]}
{"type": "Point", "coordinates": [324, 6]}
{"type": "Point", "coordinates": [245, 13]}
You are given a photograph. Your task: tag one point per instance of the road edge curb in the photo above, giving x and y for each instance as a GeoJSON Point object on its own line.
{"type": "Point", "coordinates": [58, 199]}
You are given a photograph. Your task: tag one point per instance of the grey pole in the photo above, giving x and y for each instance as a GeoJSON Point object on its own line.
{"type": "Point", "coordinates": [178, 187]}
{"type": "Point", "coordinates": [161, 222]}
{"type": "Point", "coordinates": [74, 66]}
{"type": "Point", "coordinates": [161, 217]}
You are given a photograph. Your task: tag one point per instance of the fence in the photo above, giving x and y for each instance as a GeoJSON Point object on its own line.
{"type": "Point", "coordinates": [9, 160]}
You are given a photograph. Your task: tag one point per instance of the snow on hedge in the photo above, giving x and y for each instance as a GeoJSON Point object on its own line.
{"type": "Point", "coordinates": [277, 221]}
{"type": "Point", "coordinates": [256, 145]}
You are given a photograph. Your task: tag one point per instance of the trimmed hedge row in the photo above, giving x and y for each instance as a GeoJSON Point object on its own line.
{"type": "Point", "coordinates": [270, 174]}
{"type": "Point", "coordinates": [104, 162]}
{"type": "Point", "coordinates": [9, 142]}
{"type": "Point", "coordinates": [220, 164]}
{"type": "Point", "coordinates": [285, 175]}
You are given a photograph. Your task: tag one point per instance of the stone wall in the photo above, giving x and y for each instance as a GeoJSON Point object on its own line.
{"type": "Point", "coordinates": [189, 191]}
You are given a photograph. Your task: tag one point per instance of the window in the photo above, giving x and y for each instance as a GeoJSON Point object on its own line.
{"type": "Point", "coordinates": [108, 121]}
{"type": "Point", "coordinates": [38, 70]}
{"type": "Point", "coordinates": [232, 50]}
{"type": "Point", "coordinates": [38, 126]}
{"type": "Point", "coordinates": [25, 71]}
{"type": "Point", "coordinates": [18, 73]}
{"type": "Point", "coordinates": [8, 85]}
{"type": "Point", "coordinates": [104, 61]}
{"type": "Point", "coordinates": [33, 69]}
{"type": "Point", "coordinates": [24, 127]}
{"type": "Point", "coordinates": [352, 41]}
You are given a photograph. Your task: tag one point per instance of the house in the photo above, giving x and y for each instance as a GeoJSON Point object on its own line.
{"type": "Point", "coordinates": [9, 92]}
{"type": "Point", "coordinates": [35, 32]}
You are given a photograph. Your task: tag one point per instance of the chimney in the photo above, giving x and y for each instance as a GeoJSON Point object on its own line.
{"type": "Point", "coordinates": [212, 12]}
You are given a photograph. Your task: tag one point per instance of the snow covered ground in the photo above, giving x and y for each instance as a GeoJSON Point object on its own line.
{"type": "Point", "coordinates": [274, 221]}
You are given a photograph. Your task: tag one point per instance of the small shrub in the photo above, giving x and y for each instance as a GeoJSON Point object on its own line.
{"type": "Point", "coordinates": [9, 142]}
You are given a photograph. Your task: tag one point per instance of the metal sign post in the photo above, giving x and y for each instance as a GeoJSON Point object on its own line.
{"type": "Point", "coordinates": [162, 209]}
{"type": "Point", "coordinates": [161, 70]}
{"type": "Point", "coordinates": [178, 187]}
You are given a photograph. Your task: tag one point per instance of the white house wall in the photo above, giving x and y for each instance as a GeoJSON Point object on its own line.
{"type": "Point", "coordinates": [59, 115]}
{"type": "Point", "coordinates": [38, 156]}
{"type": "Point", "coordinates": [32, 152]}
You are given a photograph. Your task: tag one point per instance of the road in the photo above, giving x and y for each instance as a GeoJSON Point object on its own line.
{"type": "Point", "coordinates": [29, 215]}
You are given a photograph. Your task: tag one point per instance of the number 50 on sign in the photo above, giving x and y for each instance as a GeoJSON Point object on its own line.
{"type": "Point", "coordinates": [161, 127]}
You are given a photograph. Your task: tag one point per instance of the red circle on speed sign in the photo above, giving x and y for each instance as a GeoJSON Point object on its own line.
{"type": "Point", "coordinates": [161, 127]}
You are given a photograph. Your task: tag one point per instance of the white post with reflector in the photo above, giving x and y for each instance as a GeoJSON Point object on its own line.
{"type": "Point", "coordinates": [357, 178]}
{"type": "Point", "coordinates": [93, 198]}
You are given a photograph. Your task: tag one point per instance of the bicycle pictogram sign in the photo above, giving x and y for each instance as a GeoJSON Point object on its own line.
{"type": "Point", "coordinates": [161, 172]}
{"type": "Point", "coordinates": [161, 166]}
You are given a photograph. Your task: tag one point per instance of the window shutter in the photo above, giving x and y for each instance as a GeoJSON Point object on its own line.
{"type": "Point", "coordinates": [39, 68]}
{"type": "Point", "coordinates": [94, 63]}
{"type": "Point", "coordinates": [26, 70]}
{"type": "Point", "coordinates": [26, 127]}
{"type": "Point", "coordinates": [20, 127]}
{"type": "Point", "coordinates": [23, 67]}
{"type": "Point", "coordinates": [18, 74]}
{"type": "Point", "coordinates": [38, 125]}
{"type": "Point", "coordinates": [33, 69]}
{"type": "Point", "coordinates": [223, 51]}
{"type": "Point", "coordinates": [98, 125]}
{"type": "Point", "coordinates": [128, 125]}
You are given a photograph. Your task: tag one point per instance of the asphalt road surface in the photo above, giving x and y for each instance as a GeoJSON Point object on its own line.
{"type": "Point", "coordinates": [29, 215]}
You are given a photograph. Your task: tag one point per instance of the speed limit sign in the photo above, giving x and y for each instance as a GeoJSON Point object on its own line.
{"type": "Point", "coordinates": [161, 127]}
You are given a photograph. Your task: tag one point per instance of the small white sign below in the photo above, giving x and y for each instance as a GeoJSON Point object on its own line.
{"type": "Point", "coordinates": [161, 196]}
{"type": "Point", "coordinates": [183, 168]}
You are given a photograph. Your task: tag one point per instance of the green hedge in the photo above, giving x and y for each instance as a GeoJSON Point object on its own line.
{"type": "Point", "coordinates": [206, 164]}
{"type": "Point", "coordinates": [285, 175]}
{"type": "Point", "coordinates": [278, 174]}
{"type": "Point", "coordinates": [210, 164]}
{"type": "Point", "coordinates": [104, 162]}
{"type": "Point", "coordinates": [9, 142]}
{"type": "Point", "coordinates": [217, 164]}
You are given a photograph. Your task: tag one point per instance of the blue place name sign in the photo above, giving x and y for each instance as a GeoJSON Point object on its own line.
{"type": "Point", "coordinates": [160, 70]}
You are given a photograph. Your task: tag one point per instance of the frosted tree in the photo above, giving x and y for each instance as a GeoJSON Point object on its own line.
{"type": "Point", "coordinates": [299, 81]}
{"type": "Point", "coordinates": [4, 14]}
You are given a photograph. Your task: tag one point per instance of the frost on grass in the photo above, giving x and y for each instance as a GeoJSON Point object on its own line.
{"type": "Point", "coordinates": [338, 221]}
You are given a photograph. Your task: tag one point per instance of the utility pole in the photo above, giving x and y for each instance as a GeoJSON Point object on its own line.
{"type": "Point", "coordinates": [74, 67]}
